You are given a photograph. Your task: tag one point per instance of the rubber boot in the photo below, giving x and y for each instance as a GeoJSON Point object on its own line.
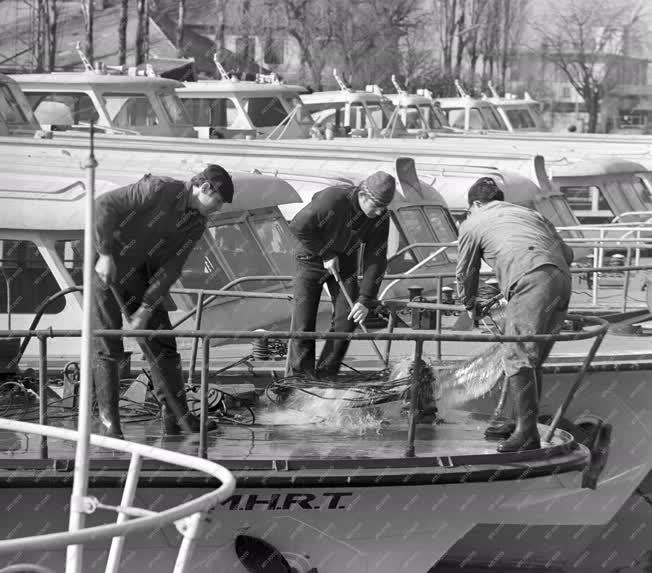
{"type": "Point", "coordinates": [106, 377]}
{"type": "Point", "coordinates": [524, 394]}
{"type": "Point", "coordinates": [499, 427]}
{"type": "Point", "coordinates": [168, 384]}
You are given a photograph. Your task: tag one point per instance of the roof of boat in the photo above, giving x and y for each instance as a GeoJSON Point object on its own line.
{"type": "Point", "coordinates": [449, 102]}
{"type": "Point", "coordinates": [69, 80]}
{"type": "Point", "coordinates": [342, 96]}
{"type": "Point", "coordinates": [409, 99]}
{"type": "Point", "coordinates": [56, 203]}
{"type": "Point", "coordinates": [239, 87]}
{"type": "Point", "coordinates": [508, 102]}
{"type": "Point", "coordinates": [597, 167]}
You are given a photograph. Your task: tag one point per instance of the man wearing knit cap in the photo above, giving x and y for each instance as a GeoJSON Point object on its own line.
{"type": "Point", "coordinates": [331, 230]}
{"type": "Point", "coordinates": [531, 262]}
{"type": "Point", "coordinates": [144, 234]}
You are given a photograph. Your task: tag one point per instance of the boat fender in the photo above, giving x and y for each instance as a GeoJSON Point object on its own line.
{"type": "Point", "coordinates": [258, 555]}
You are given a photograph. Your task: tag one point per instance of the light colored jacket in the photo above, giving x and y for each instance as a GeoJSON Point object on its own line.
{"type": "Point", "coordinates": [513, 241]}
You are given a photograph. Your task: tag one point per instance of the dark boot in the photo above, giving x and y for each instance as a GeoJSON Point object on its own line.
{"type": "Point", "coordinates": [498, 430]}
{"type": "Point", "coordinates": [524, 394]}
{"type": "Point", "coordinates": [107, 390]}
{"type": "Point", "coordinates": [169, 387]}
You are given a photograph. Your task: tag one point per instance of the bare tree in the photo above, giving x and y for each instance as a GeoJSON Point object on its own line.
{"type": "Point", "coordinates": [141, 31]}
{"type": "Point", "coordinates": [52, 19]}
{"type": "Point", "coordinates": [446, 14]}
{"type": "Point", "coordinates": [39, 47]}
{"type": "Point", "coordinates": [309, 22]}
{"type": "Point", "coordinates": [220, 26]}
{"type": "Point", "coordinates": [585, 39]}
{"type": "Point", "coordinates": [122, 32]}
{"type": "Point", "coordinates": [477, 20]}
{"type": "Point", "coordinates": [88, 10]}
{"type": "Point", "coordinates": [181, 20]}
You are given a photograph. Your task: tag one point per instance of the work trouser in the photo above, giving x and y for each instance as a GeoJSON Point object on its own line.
{"type": "Point", "coordinates": [308, 284]}
{"type": "Point", "coordinates": [107, 315]}
{"type": "Point", "coordinates": [538, 304]}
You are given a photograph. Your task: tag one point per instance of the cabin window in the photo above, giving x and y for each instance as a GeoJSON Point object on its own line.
{"type": "Point", "coordinates": [211, 112]}
{"type": "Point", "coordinates": [130, 110]}
{"type": "Point", "coordinates": [406, 260]}
{"type": "Point", "coordinates": [432, 119]}
{"type": "Point", "coordinates": [520, 118]}
{"type": "Point", "coordinates": [28, 276]}
{"type": "Point", "coordinates": [63, 108]}
{"type": "Point", "coordinates": [236, 243]}
{"type": "Point", "coordinates": [71, 254]}
{"type": "Point", "coordinates": [441, 225]}
{"type": "Point", "coordinates": [455, 117]}
{"type": "Point", "coordinates": [565, 216]}
{"type": "Point", "coordinates": [585, 198]}
{"type": "Point", "coordinates": [203, 269]}
{"type": "Point", "coordinates": [643, 191]}
{"type": "Point", "coordinates": [417, 230]}
{"type": "Point", "coordinates": [175, 110]}
{"type": "Point", "coordinates": [412, 118]}
{"type": "Point", "coordinates": [11, 109]}
{"type": "Point", "coordinates": [622, 196]}
{"type": "Point", "coordinates": [492, 119]}
{"type": "Point", "coordinates": [264, 111]}
{"type": "Point", "coordinates": [277, 242]}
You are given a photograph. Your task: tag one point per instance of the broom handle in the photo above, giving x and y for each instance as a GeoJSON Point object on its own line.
{"type": "Point", "coordinates": [340, 282]}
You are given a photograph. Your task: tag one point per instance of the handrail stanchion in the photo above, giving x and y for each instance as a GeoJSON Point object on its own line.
{"type": "Point", "coordinates": [74, 553]}
{"type": "Point", "coordinates": [42, 391]}
{"type": "Point", "coordinates": [203, 414]}
{"type": "Point", "coordinates": [128, 496]}
{"type": "Point", "coordinates": [628, 261]}
{"type": "Point", "coordinates": [576, 384]}
{"type": "Point", "coordinates": [440, 285]}
{"type": "Point", "coordinates": [195, 341]}
{"type": "Point", "coordinates": [192, 530]}
{"type": "Point", "coordinates": [414, 398]}
{"type": "Point", "coordinates": [390, 329]}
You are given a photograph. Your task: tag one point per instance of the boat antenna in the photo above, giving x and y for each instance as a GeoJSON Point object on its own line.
{"type": "Point", "coordinates": [460, 89]}
{"type": "Point", "coordinates": [220, 68]}
{"type": "Point", "coordinates": [340, 81]}
{"type": "Point", "coordinates": [74, 555]}
{"type": "Point", "coordinates": [493, 91]}
{"type": "Point", "coordinates": [397, 86]}
{"type": "Point", "coordinates": [84, 59]}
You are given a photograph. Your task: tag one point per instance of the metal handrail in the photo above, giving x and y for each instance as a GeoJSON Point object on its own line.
{"type": "Point", "coordinates": [601, 327]}
{"type": "Point", "coordinates": [193, 510]}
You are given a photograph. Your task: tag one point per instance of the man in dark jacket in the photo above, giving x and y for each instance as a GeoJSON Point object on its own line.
{"type": "Point", "coordinates": [531, 262]}
{"type": "Point", "coordinates": [144, 234]}
{"type": "Point", "coordinates": [331, 230]}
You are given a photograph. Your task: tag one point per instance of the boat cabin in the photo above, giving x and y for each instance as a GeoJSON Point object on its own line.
{"type": "Point", "coordinates": [602, 189]}
{"type": "Point", "coordinates": [41, 253]}
{"type": "Point", "coordinates": [114, 103]}
{"type": "Point", "coordinates": [420, 114]}
{"type": "Point", "coordinates": [518, 114]}
{"type": "Point", "coordinates": [229, 108]}
{"type": "Point", "coordinates": [354, 113]}
{"type": "Point", "coordinates": [471, 114]}
{"type": "Point", "coordinates": [16, 115]}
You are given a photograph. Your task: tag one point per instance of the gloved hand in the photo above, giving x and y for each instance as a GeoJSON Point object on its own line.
{"type": "Point", "coordinates": [140, 318]}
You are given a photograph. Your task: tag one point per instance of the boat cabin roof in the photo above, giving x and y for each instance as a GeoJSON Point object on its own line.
{"type": "Point", "coordinates": [335, 97]}
{"type": "Point", "coordinates": [56, 203]}
{"type": "Point", "coordinates": [406, 99]}
{"type": "Point", "coordinates": [467, 101]}
{"type": "Point", "coordinates": [69, 81]}
{"type": "Point", "coordinates": [598, 167]}
{"type": "Point", "coordinates": [238, 88]}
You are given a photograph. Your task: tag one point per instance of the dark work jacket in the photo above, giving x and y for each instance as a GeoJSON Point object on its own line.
{"type": "Point", "coordinates": [149, 225]}
{"type": "Point", "coordinates": [333, 224]}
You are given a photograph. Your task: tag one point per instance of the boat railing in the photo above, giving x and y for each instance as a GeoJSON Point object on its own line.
{"type": "Point", "coordinates": [189, 517]}
{"type": "Point", "coordinates": [597, 330]}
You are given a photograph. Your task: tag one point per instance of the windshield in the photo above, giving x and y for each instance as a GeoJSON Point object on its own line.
{"type": "Point", "coordinates": [264, 111]}
{"type": "Point", "coordinates": [416, 228]}
{"type": "Point", "coordinates": [213, 112]}
{"type": "Point", "coordinates": [175, 110]}
{"type": "Point", "coordinates": [130, 110]}
{"type": "Point", "coordinates": [520, 118]}
{"type": "Point", "coordinates": [10, 109]}
{"type": "Point", "coordinates": [492, 119]}
{"type": "Point", "coordinates": [642, 188]}
{"type": "Point", "coordinates": [278, 243]}
{"type": "Point", "coordinates": [442, 226]}
{"type": "Point", "coordinates": [435, 119]}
